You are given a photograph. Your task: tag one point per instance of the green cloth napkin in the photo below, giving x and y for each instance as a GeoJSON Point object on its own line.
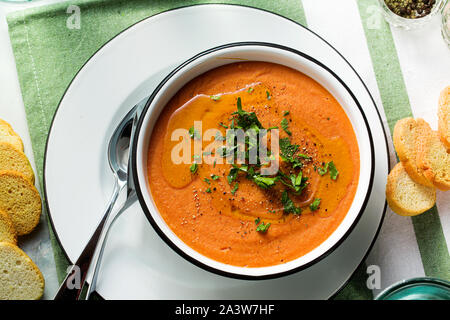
{"type": "Point", "coordinates": [48, 55]}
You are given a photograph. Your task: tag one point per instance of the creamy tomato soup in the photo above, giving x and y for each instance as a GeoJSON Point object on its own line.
{"type": "Point", "coordinates": [231, 213]}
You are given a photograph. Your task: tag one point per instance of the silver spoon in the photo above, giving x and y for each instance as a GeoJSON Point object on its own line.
{"type": "Point", "coordinates": [118, 146]}
{"type": "Point", "coordinates": [131, 198]}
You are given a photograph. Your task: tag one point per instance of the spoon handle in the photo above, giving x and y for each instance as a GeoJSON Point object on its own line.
{"type": "Point", "coordinates": [71, 287]}
{"type": "Point", "coordinates": [91, 279]}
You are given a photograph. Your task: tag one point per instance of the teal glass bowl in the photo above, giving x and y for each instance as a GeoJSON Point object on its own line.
{"type": "Point", "coordinates": [417, 289]}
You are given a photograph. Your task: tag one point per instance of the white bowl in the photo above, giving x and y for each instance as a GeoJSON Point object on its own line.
{"type": "Point", "coordinates": [252, 51]}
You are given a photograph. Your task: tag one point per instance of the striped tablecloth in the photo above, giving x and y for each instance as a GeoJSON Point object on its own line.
{"type": "Point", "coordinates": [404, 71]}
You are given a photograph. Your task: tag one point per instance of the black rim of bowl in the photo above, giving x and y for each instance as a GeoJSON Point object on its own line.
{"type": "Point", "coordinates": [172, 244]}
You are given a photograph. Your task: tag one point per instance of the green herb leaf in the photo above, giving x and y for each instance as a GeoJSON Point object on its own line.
{"type": "Point", "coordinates": [288, 150]}
{"type": "Point", "coordinates": [323, 170]}
{"type": "Point", "coordinates": [236, 186]}
{"type": "Point", "coordinates": [329, 166]}
{"type": "Point", "coordinates": [246, 119]}
{"type": "Point", "coordinates": [286, 113]}
{"type": "Point", "coordinates": [193, 133]}
{"type": "Point", "coordinates": [333, 170]}
{"type": "Point", "coordinates": [257, 220]}
{"type": "Point", "coordinates": [232, 175]}
{"type": "Point", "coordinates": [208, 190]}
{"type": "Point", "coordinates": [250, 90]}
{"type": "Point", "coordinates": [215, 98]}
{"type": "Point", "coordinates": [207, 181]}
{"type": "Point", "coordinates": [214, 177]}
{"type": "Point", "coordinates": [264, 182]}
{"type": "Point", "coordinates": [289, 206]}
{"type": "Point", "coordinates": [263, 227]}
{"type": "Point", "coordinates": [194, 167]}
{"type": "Point", "coordinates": [268, 95]}
{"type": "Point", "coordinates": [304, 156]}
{"type": "Point", "coordinates": [285, 126]}
{"type": "Point", "coordinates": [315, 204]}
{"type": "Point", "coordinates": [298, 180]}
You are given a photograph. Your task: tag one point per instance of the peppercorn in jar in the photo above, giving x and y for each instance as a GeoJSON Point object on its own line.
{"type": "Point", "coordinates": [409, 14]}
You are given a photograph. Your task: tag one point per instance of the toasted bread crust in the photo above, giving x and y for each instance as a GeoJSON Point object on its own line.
{"type": "Point", "coordinates": [403, 200]}
{"type": "Point", "coordinates": [444, 117]}
{"type": "Point", "coordinates": [21, 200]}
{"type": "Point", "coordinates": [434, 161]}
{"type": "Point", "coordinates": [15, 160]}
{"type": "Point", "coordinates": [406, 133]}
{"type": "Point", "coordinates": [7, 134]}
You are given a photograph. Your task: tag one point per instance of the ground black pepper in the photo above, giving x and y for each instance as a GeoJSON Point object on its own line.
{"type": "Point", "coordinates": [410, 9]}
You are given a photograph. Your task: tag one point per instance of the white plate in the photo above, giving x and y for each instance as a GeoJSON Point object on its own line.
{"type": "Point", "coordinates": [137, 264]}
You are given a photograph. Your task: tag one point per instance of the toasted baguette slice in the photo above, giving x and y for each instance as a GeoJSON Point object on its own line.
{"type": "Point", "coordinates": [7, 134]}
{"type": "Point", "coordinates": [15, 160]}
{"type": "Point", "coordinates": [406, 134]}
{"type": "Point", "coordinates": [20, 278]}
{"type": "Point", "coordinates": [7, 231]}
{"type": "Point", "coordinates": [434, 161]}
{"type": "Point", "coordinates": [444, 117]}
{"type": "Point", "coordinates": [405, 196]}
{"type": "Point", "coordinates": [20, 199]}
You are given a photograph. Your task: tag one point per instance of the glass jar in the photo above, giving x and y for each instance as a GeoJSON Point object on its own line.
{"type": "Point", "coordinates": [409, 23]}
{"type": "Point", "coordinates": [446, 23]}
{"type": "Point", "coordinates": [417, 289]}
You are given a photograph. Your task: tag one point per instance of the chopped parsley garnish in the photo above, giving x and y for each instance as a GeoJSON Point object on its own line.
{"type": "Point", "coordinates": [232, 175]}
{"type": "Point", "coordinates": [193, 133]}
{"type": "Point", "coordinates": [285, 126]}
{"type": "Point", "coordinates": [263, 227]}
{"type": "Point", "coordinates": [289, 206]}
{"type": "Point", "coordinates": [288, 150]}
{"type": "Point", "coordinates": [264, 182]}
{"type": "Point", "coordinates": [324, 170]}
{"type": "Point", "coordinates": [329, 166]}
{"type": "Point", "coordinates": [296, 183]}
{"type": "Point", "coordinates": [194, 167]}
{"type": "Point", "coordinates": [315, 204]}
{"type": "Point", "coordinates": [215, 98]}
{"type": "Point", "coordinates": [333, 170]}
{"type": "Point", "coordinates": [246, 120]}
{"type": "Point", "coordinates": [293, 180]}
{"type": "Point", "coordinates": [236, 186]}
